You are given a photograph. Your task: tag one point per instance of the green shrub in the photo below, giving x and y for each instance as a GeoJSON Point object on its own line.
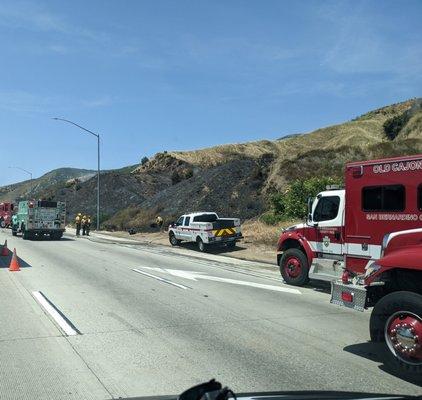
{"type": "Point", "coordinates": [181, 174]}
{"type": "Point", "coordinates": [175, 177]}
{"type": "Point", "coordinates": [293, 203]}
{"type": "Point", "coordinates": [393, 126]}
{"type": "Point", "coordinates": [278, 203]}
{"type": "Point", "coordinates": [188, 173]}
{"type": "Point", "coordinates": [270, 218]}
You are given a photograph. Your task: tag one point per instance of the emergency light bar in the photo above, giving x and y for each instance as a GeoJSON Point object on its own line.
{"type": "Point", "coordinates": [357, 172]}
{"type": "Point", "coordinates": [334, 187]}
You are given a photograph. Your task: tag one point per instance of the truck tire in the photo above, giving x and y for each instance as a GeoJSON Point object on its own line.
{"type": "Point", "coordinates": [56, 235]}
{"type": "Point", "coordinates": [173, 240]}
{"type": "Point", "coordinates": [294, 267]}
{"type": "Point", "coordinates": [231, 245]}
{"type": "Point", "coordinates": [2, 223]}
{"type": "Point", "coordinates": [202, 247]}
{"type": "Point", "coordinates": [25, 233]}
{"type": "Point", "coordinates": [396, 320]}
{"type": "Point", "coordinates": [14, 232]}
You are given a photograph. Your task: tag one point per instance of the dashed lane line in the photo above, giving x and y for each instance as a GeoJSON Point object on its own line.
{"type": "Point", "coordinates": [65, 325]}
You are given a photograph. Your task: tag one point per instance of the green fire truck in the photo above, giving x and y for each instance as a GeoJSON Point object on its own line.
{"type": "Point", "coordinates": [39, 218]}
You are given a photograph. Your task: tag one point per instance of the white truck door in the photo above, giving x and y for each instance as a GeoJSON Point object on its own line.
{"type": "Point", "coordinates": [186, 233]}
{"type": "Point", "coordinates": [178, 229]}
{"type": "Point", "coordinates": [328, 220]}
{"type": "Point", "coordinates": [327, 238]}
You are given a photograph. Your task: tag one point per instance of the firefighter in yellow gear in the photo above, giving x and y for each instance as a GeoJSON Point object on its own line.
{"type": "Point", "coordinates": [78, 222]}
{"type": "Point", "coordinates": [88, 225]}
{"type": "Point", "coordinates": [83, 222]}
{"type": "Point", "coordinates": [159, 222]}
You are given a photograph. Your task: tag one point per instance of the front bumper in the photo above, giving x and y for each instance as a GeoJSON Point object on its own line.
{"type": "Point", "coordinates": [348, 295]}
{"type": "Point", "coordinates": [224, 239]}
{"type": "Point", "coordinates": [46, 230]}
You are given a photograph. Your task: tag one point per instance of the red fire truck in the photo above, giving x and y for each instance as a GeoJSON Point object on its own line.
{"type": "Point", "coordinates": [367, 240]}
{"type": "Point", "coordinates": [6, 211]}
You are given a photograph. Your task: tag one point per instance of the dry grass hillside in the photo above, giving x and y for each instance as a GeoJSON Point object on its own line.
{"type": "Point", "coordinates": [322, 151]}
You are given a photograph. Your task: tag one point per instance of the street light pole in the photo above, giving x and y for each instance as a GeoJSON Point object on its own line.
{"type": "Point", "coordinates": [98, 164]}
{"type": "Point", "coordinates": [98, 183]}
{"type": "Point", "coordinates": [28, 172]}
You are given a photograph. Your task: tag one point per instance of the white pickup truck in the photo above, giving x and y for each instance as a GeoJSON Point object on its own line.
{"type": "Point", "coordinates": [205, 228]}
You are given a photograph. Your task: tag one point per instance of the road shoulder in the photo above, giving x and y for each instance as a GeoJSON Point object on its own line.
{"type": "Point", "coordinates": [244, 250]}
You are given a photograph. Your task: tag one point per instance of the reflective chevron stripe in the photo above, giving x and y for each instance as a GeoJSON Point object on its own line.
{"type": "Point", "coordinates": [224, 232]}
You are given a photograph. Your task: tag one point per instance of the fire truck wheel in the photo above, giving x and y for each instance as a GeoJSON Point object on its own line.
{"type": "Point", "coordinates": [201, 245]}
{"type": "Point", "coordinates": [25, 234]}
{"type": "Point", "coordinates": [397, 320]}
{"type": "Point", "coordinates": [173, 240]}
{"type": "Point", "coordinates": [2, 223]}
{"type": "Point", "coordinates": [56, 235]}
{"type": "Point", "coordinates": [294, 267]}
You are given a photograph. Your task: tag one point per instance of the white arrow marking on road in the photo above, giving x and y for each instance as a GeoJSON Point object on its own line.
{"type": "Point", "coordinates": [191, 275]}
{"type": "Point", "coordinates": [161, 279]}
{"type": "Point", "coordinates": [194, 276]}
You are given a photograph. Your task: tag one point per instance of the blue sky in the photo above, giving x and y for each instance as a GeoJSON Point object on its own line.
{"type": "Point", "coordinates": [176, 75]}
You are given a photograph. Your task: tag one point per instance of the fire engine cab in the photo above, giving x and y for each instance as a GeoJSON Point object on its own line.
{"type": "Point", "coordinates": [6, 211]}
{"type": "Point", "coordinates": [367, 240]}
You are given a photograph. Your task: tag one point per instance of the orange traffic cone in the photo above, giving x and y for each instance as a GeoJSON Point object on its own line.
{"type": "Point", "coordinates": [14, 263]}
{"type": "Point", "coordinates": [4, 251]}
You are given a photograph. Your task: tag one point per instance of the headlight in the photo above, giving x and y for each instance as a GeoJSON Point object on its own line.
{"type": "Point", "coordinates": [371, 269]}
{"type": "Point", "coordinates": [289, 228]}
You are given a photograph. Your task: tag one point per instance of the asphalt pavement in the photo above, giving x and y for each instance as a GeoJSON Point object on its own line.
{"type": "Point", "coordinates": [101, 318]}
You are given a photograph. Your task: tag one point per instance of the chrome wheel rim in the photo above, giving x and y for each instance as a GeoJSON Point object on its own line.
{"type": "Point", "coordinates": [403, 335]}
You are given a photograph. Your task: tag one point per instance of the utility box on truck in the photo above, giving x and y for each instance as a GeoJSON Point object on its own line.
{"type": "Point", "coordinates": [40, 218]}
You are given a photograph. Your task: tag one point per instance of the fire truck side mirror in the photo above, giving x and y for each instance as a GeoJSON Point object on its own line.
{"type": "Point", "coordinates": [309, 206]}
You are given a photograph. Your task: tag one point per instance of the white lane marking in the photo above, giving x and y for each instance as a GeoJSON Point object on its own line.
{"type": "Point", "coordinates": [161, 279]}
{"type": "Point", "coordinates": [53, 312]}
{"type": "Point", "coordinates": [194, 276]}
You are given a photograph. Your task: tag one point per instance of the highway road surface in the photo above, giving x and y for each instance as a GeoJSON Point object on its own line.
{"type": "Point", "coordinates": [102, 318]}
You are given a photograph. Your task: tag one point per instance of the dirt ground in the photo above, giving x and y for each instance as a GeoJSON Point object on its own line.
{"type": "Point", "coordinates": [259, 243]}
